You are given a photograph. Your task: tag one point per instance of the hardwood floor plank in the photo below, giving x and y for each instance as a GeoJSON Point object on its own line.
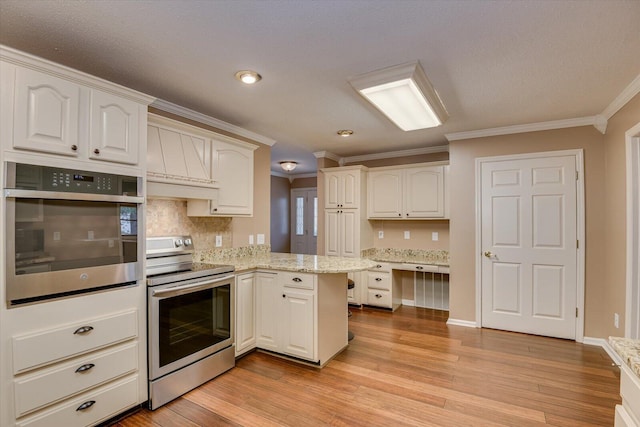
{"type": "Point", "coordinates": [409, 368]}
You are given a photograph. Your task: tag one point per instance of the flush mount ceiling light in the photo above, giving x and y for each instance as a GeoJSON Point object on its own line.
{"type": "Point", "coordinates": [404, 94]}
{"type": "Point", "coordinates": [248, 77]}
{"type": "Point", "coordinates": [345, 132]}
{"type": "Point", "coordinates": [288, 166]}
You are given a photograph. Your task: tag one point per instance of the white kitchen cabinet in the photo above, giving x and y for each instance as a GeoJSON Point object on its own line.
{"type": "Point", "coordinates": [245, 339]}
{"type": "Point", "coordinates": [347, 230]}
{"type": "Point", "coordinates": [343, 187]}
{"type": "Point", "coordinates": [301, 315]}
{"type": "Point", "coordinates": [410, 192]}
{"type": "Point", "coordinates": [381, 290]}
{"type": "Point", "coordinates": [61, 112]}
{"type": "Point", "coordinates": [232, 169]}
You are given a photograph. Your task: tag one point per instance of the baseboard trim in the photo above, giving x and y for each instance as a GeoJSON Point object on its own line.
{"type": "Point", "coordinates": [601, 342]}
{"type": "Point", "coordinates": [465, 323]}
{"type": "Point", "coordinates": [409, 302]}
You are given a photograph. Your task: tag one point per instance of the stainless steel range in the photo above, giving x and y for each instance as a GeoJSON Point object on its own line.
{"type": "Point", "coordinates": [190, 315]}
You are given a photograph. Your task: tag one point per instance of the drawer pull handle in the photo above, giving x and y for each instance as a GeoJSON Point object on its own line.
{"type": "Point", "coordinates": [85, 367]}
{"type": "Point", "coordinates": [86, 405]}
{"type": "Point", "coordinates": [297, 279]}
{"type": "Point", "coordinates": [378, 266]}
{"type": "Point", "coordinates": [83, 330]}
{"type": "Point", "coordinates": [378, 279]}
{"type": "Point", "coordinates": [378, 296]}
{"type": "Point", "coordinates": [419, 267]}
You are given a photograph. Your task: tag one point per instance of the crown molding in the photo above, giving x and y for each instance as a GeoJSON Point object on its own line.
{"type": "Point", "coordinates": [291, 177]}
{"type": "Point", "coordinates": [170, 107]}
{"type": "Point", "coordinates": [400, 153]}
{"type": "Point", "coordinates": [595, 121]}
{"type": "Point", "coordinates": [621, 100]}
{"type": "Point", "coordinates": [327, 155]}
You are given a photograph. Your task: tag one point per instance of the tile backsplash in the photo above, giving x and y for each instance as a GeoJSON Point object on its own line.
{"type": "Point", "coordinates": [169, 217]}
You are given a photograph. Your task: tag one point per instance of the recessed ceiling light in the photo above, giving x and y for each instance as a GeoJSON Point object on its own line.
{"type": "Point", "coordinates": [248, 76]}
{"type": "Point", "coordinates": [345, 132]}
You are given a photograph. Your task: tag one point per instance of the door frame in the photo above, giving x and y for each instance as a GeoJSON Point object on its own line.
{"type": "Point", "coordinates": [632, 311]}
{"type": "Point", "coordinates": [580, 228]}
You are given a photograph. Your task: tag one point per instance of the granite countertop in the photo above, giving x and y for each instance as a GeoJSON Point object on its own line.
{"type": "Point", "coordinates": [413, 256]}
{"type": "Point", "coordinates": [243, 259]}
{"type": "Point", "coordinates": [629, 351]}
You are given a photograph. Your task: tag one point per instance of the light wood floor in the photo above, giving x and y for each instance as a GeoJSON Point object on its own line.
{"type": "Point", "coordinates": [410, 368]}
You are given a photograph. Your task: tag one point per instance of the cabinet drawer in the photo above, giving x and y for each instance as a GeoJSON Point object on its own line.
{"type": "Point", "coordinates": [381, 266]}
{"type": "Point", "coordinates": [297, 280]}
{"type": "Point", "coordinates": [107, 401]}
{"type": "Point", "coordinates": [73, 377]}
{"type": "Point", "coordinates": [379, 298]}
{"type": "Point", "coordinates": [420, 267]}
{"type": "Point", "coordinates": [378, 280]}
{"type": "Point", "coordinates": [37, 349]}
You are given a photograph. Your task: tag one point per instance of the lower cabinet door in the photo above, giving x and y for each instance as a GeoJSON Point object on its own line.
{"type": "Point", "coordinates": [245, 313]}
{"type": "Point", "coordinates": [379, 298]}
{"type": "Point", "coordinates": [298, 337]}
{"type": "Point", "coordinates": [90, 408]}
{"type": "Point", "coordinates": [268, 298]}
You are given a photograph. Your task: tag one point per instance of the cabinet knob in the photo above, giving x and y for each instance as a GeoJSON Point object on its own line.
{"type": "Point", "coordinates": [399, 214]}
{"type": "Point", "coordinates": [378, 279]}
{"type": "Point", "coordinates": [378, 296]}
{"type": "Point", "coordinates": [284, 296]}
{"type": "Point", "coordinates": [419, 267]}
{"type": "Point", "coordinates": [407, 214]}
{"type": "Point", "coordinates": [297, 279]}
{"type": "Point", "coordinates": [96, 151]}
{"type": "Point", "coordinates": [378, 266]}
{"type": "Point", "coordinates": [86, 405]}
{"type": "Point", "coordinates": [74, 147]}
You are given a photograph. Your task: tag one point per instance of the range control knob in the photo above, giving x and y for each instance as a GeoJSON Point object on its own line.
{"type": "Point", "coordinates": [178, 243]}
{"type": "Point", "coordinates": [187, 242]}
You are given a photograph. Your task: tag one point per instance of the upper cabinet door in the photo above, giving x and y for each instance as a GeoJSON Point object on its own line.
{"type": "Point", "coordinates": [114, 128]}
{"type": "Point", "coordinates": [46, 113]}
{"type": "Point", "coordinates": [342, 189]}
{"type": "Point", "coordinates": [385, 194]}
{"type": "Point", "coordinates": [424, 192]}
{"type": "Point", "coordinates": [232, 169]}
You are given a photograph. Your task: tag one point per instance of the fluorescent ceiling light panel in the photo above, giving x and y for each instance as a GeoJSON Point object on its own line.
{"type": "Point", "coordinates": [404, 94]}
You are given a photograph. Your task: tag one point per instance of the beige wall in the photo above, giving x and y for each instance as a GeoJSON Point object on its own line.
{"type": "Point", "coordinates": [280, 213]}
{"type": "Point", "coordinates": [310, 182]}
{"type": "Point", "coordinates": [615, 220]}
{"type": "Point", "coordinates": [420, 234]}
{"type": "Point", "coordinates": [463, 232]}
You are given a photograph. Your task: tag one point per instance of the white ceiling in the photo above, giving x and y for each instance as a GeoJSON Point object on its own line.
{"type": "Point", "coordinates": [494, 63]}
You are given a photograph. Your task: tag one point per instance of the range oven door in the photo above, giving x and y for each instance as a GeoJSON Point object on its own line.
{"type": "Point", "coordinates": [188, 321]}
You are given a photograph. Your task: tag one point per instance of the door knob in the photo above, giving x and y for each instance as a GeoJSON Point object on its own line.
{"type": "Point", "coordinates": [488, 254]}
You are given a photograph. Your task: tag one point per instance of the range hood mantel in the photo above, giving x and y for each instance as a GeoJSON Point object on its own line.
{"type": "Point", "coordinates": [178, 161]}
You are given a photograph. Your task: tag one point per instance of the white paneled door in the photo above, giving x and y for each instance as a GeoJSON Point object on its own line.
{"type": "Point", "coordinates": [529, 245]}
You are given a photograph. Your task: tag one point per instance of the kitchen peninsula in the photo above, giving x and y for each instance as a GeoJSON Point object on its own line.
{"type": "Point", "coordinates": [291, 305]}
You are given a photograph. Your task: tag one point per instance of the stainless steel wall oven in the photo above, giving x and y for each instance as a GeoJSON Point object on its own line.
{"type": "Point", "coordinates": [190, 309]}
{"type": "Point", "coordinates": [69, 232]}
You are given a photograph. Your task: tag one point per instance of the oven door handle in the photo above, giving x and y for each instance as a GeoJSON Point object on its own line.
{"type": "Point", "coordinates": [178, 290]}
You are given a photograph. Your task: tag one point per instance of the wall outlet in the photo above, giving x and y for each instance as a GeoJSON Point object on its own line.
{"type": "Point", "coordinates": [616, 320]}
{"type": "Point", "coordinates": [434, 236]}
{"type": "Point", "coordinates": [218, 241]}
{"type": "Point", "coordinates": [111, 244]}
{"type": "Point", "coordinates": [251, 239]}
{"type": "Point", "coordinates": [261, 239]}
{"type": "Point", "coordinates": [407, 235]}
{"type": "Point", "coordinates": [56, 236]}
{"type": "Point", "coordinates": [90, 235]}
{"type": "Point", "coordinates": [380, 234]}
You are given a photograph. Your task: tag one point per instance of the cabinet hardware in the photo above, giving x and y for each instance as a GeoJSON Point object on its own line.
{"type": "Point", "coordinates": [85, 367]}
{"type": "Point", "coordinates": [419, 267]}
{"type": "Point", "coordinates": [378, 296]}
{"type": "Point", "coordinates": [86, 405]}
{"type": "Point", "coordinates": [399, 214]}
{"type": "Point", "coordinates": [74, 147]}
{"type": "Point", "coordinates": [96, 151]}
{"type": "Point", "coordinates": [378, 279]}
{"type": "Point", "coordinates": [83, 330]}
{"type": "Point", "coordinates": [297, 279]}
{"type": "Point", "coordinates": [284, 296]}
{"type": "Point", "coordinates": [378, 266]}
